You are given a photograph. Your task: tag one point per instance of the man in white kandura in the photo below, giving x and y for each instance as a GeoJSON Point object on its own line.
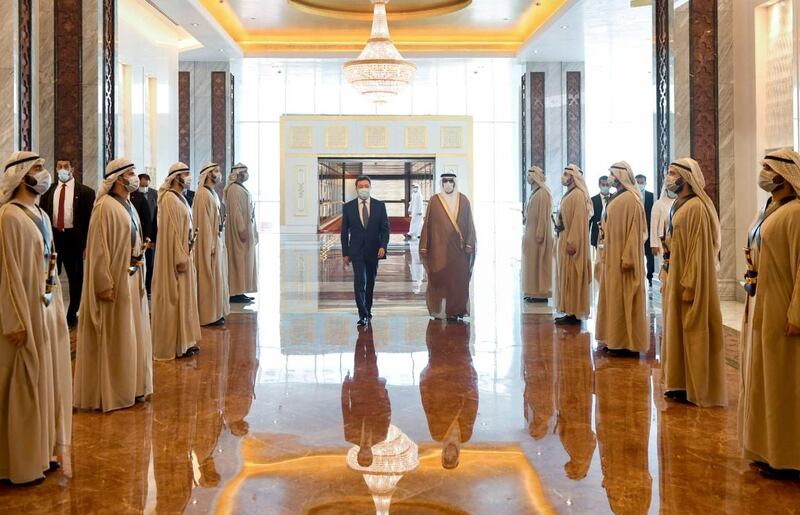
{"type": "Point", "coordinates": [35, 371]}
{"type": "Point", "coordinates": [416, 212]}
{"type": "Point", "coordinates": [210, 256]}
{"type": "Point", "coordinates": [176, 323]}
{"type": "Point", "coordinates": [241, 236]}
{"type": "Point", "coordinates": [114, 358]}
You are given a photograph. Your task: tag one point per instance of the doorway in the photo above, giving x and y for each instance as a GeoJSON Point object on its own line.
{"type": "Point", "coordinates": [391, 183]}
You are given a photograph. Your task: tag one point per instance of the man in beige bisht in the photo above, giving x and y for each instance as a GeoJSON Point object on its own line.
{"type": "Point", "coordinates": [176, 324]}
{"type": "Point", "coordinates": [537, 241]}
{"type": "Point", "coordinates": [114, 358]}
{"type": "Point", "coordinates": [210, 257]}
{"type": "Point", "coordinates": [241, 237]}
{"type": "Point", "coordinates": [621, 315]}
{"type": "Point", "coordinates": [574, 262]}
{"type": "Point", "coordinates": [447, 245]}
{"type": "Point", "coordinates": [769, 403]}
{"type": "Point", "coordinates": [693, 354]}
{"type": "Point", "coordinates": [35, 371]}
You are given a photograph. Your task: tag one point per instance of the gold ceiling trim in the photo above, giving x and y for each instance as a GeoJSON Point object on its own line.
{"type": "Point", "coordinates": [309, 7]}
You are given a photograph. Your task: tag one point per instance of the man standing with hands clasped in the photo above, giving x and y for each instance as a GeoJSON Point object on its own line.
{"type": "Point", "coordinates": [365, 237]}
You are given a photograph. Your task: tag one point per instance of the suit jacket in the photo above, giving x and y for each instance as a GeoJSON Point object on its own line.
{"type": "Point", "coordinates": [189, 194]}
{"type": "Point", "coordinates": [648, 211]}
{"type": "Point", "coordinates": [594, 222]}
{"type": "Point", "coordinates": [140, 202]}
{"type": "Point", "coordinates": [359, 242]}
{"type": "Point", "coordinates": [82, 204]}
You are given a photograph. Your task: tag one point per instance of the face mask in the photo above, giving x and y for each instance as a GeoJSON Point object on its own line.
{"type": "Point", "coordinates": [144, 189]}
{"type": "Point", "coordinates": [565, 180]}
{"type": "Point", "coordinates": [363, 193]}
{"type": "Point", "coordinates": [39, 182]}
{"type": "Point", "coordinates": [605, 190]}
{"type": "Point", "coordinates": [530, 179]}
{"type": "Point", "coordinates": [215, 178]}
{"type": "Point", "coordinates": [642, 187]}
{"type": "Point", "coordinates": [612, 182]}
{"type": "Point", "coordinates": [64, 175]}
{"type": "Point", "coordinates": [672, 194]}
{"type": "Point", "coordinates": [674, 184]}
{"type": "Point", "coordinates": [243, 177]}
{"type": "Point", "coordinates": [183, 181]}
{"type": "Point", "coordinates": [449, 187]}
{"type": "Point", "coordinates": [766, 181]}
{"type": "Point", "coordinates": [132, 184]}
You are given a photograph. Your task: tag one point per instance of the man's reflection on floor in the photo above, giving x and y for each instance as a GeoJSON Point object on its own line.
{"type": "Point", "coordinates": [366, 409]}
{"type": "Point", "coordinates": [449, 387]}
{"type": "Point", "coordinates": [623, 430]}
{"type": "Point", "coordinates": [415, 267]}
{"type": "Point", "coordinates": [539, 375]}
{"type": "Point", "coordinates": [574, 401]}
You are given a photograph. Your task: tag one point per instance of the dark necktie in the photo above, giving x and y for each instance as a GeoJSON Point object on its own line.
{"type": "Point", "coordinates": [60, 214]}
{"type": "Point", "coordinates": [364, 213]}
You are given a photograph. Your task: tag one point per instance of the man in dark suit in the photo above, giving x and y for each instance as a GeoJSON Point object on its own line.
{"type": "Point", "coordinates": [366, 408]}
{"type": "Point", "coordinates": [69, 206]}
{"type": "Point", "coordinates": [647, 197]}
{"type": "Point", "coordinates": [365, 237]}
{"type": "Point", "coordinates": [189, 194]}
{"type": "Point", "coordinates": [599, 202]}
{"type": "Point", "coordinates": [145, 200]}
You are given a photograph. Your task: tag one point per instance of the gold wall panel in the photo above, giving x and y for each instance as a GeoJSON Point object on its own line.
{"type": "Point", "coordinates": [416, 137]}
{"type": "Point", "coordinates": [337, 137]}
{"type": "Point", "coordinates": [301, 137]}
{"type": "Point", "coordinates": [451, 137]}
{"type": "Point", "coordinates": [376, 137]}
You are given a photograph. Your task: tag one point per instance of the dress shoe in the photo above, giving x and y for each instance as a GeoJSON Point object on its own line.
{"type": "Point", "coordinates": [622, 353]}
{"type": "Point", "coordinates": [241, 299]}
{"type": "Point", "coordinates": [369, 316]}
{"type": "Point", "coordinates": [191, 351]}
{"type": "Point", "coordinates": [219, 322]}
{"type": "Point", "coordinates": [677, 396]}
{"type": "Point", "coordinates": [560, 319]}
{"type": "Point", "coordinates": [363, 322]}
{"type": "Point", "coordinates": [768, 472]}
{"type": "Point", "coordinates": [568, 320]}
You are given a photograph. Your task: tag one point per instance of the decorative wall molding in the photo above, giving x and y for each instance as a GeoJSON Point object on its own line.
{"type": "Point", "coordinates": [415, 136]}
{"type": "Point", "coordinates": [233, 120]}
{"type": "Point", "coordinates": [301, 137]}
{"type": "Point", "coordinates": [703, 91]}
{"type": "Point", "coordinates": [523, 108]}
{"type": "Point", "coordinates": [25, 108]}
{"type": "Point", "coordinates": [109, 80]}
{"type": "Point", "coordinates": [337, 136]}
{"type": "Point", "coordinates": [451, 137]}
{"type": "Point", "coordinates": [184, 117]}
{"type": "Point", "coordinates": [68, 115]}
{"type": "Point", "coordinates": [219, 118]}
{"type": "Point", "coordinates": [536, 92]}
{"type": "Point", "coordinates": [574, 119]}
{"type": "Point", "coordinates": [661, 14]}
{"type": "Point", "coordinates": [376, 136]}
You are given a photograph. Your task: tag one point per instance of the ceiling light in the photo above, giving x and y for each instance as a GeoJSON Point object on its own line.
{"type": "Point", "coordinates": [564, 26]}
{"type": "Point", "coordinates": [195, 24]}
{"type": "Point", "coordinates": [380, 73]}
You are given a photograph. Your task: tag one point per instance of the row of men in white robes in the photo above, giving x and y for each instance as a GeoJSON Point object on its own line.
{"type": "Point", "coordinates": [692, 349]}
{"type": "Point", "coordinates": [197, 258]}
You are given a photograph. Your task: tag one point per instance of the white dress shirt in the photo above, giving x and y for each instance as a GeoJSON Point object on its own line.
{"type": "Point", "coordinates": [69, 197]}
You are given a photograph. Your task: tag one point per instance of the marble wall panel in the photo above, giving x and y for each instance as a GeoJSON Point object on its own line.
{"type": "Point", "coordinates": [703, 90]}
{"type": "Point", "coordinates": [8, 117]}
{"type": "Point", "coordinates": [109, 31]}
{"type": "Point", "coordinates": [68, 114]}
{"type": "Point", "coordinates": [184, 117]}
{"type": "Point", "coordinates": [728, 279]}
{"type": "Point", "coordinates": [661, 18]}
{"type": "Point", "coordinates": [201, 112]}
{"type": "Point", "coordinates": [682, 109]}
{"type": "Point", "coordinates": [44, 86]}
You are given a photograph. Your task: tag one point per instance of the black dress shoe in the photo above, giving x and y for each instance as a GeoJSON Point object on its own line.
{"type": "Point", "coordinates": [191, 351]}
{"type": "Point", "coordinates": [568, 320]}
{"type": "Point", "coordinates": [677, 396]}
{"type": "Point", "coordinates": [768, 472]}
{"type": "Point", "coordinates": [558, 320]}
{"type": "Point", "coordinates": [622, 353]}
{"type": "Point", "coordinates": [241, 299]}
{"type": "Point", "coordinates": [362, 322]}
{"type": "Point", "coordinates": [221, 321]}
{"type": "Point", "coordinates": [369, 316]}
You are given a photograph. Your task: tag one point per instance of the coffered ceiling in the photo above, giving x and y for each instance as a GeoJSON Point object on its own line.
{"type": "Point", "coordinates": [314, 27]}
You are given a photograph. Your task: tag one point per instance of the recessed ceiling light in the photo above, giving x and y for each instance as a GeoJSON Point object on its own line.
{"type": "Point", "coordinates": [564, 27]}
{"type": "Point", "coordinates": [535, 51]}
{"type": "Point", "coordinates": [195, 24]}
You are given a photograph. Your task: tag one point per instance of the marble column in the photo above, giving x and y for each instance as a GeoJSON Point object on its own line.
{"type": "Point", "coordinates": [92, 92]}
{"type": "Point", "coordinates": [663, 80]}
{"type": "Point", "coordinates": [44, 88]}
{"type": "Point", "coordinates": [8, 76]}
{"type": "Point", "coordinates": [25, 72]}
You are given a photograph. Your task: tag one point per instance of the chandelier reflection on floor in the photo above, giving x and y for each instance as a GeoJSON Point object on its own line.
{"type": "Point", "coordinates": [380, 72]}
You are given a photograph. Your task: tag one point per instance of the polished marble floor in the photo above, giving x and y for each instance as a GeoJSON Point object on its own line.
{"type": "Point", "coordinates": [265, 418]}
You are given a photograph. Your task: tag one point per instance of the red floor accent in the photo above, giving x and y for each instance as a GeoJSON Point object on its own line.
{"type": "Point", "coordinates": [397, 225]}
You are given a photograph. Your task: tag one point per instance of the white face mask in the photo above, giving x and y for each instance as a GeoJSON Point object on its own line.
{"type": "Point", "coordinates": [132, 184]}
{"type": "Point", "coordinates": [64, 175]}
{"type": "Point", "coordinates": [530, 179]}
{"type": "Point", "coordinates": [43, 182]}
{"type": "Point", "coordinates": [144, 189]}
{"type": "Point", "coordinates": [449, 187]}
{"type": "Point", "coordinates": [565, 180]}
{"type": "Point", "coordinates": [672, 194]}
{"type": "Point", "coordinates": [642, 187]}
{"type": "Point", "coordinates": [363, 193]}
{"type": "Point", "coordinates": [766, 180]}
{"type": "Point", "coordinates": [605, 190]}
{"type": "Point", "coordinates": [673, 184]}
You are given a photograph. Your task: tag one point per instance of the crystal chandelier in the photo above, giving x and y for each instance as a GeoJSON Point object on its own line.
{"type": "Point", "coordinates": [380, 72]}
